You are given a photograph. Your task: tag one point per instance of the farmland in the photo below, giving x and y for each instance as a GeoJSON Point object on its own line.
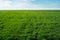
{"type": "Point", "coordinates": [29, 24]}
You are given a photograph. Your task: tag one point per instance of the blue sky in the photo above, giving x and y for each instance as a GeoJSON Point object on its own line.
{"type": "Point", "coordinates": [29, 4]}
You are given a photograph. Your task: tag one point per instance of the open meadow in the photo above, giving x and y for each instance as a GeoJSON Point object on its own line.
{"type": "Point", "coordinates": [29, 24]}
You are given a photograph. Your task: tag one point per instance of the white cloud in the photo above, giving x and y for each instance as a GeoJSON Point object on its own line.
{"type": "Point", "coordinates": [22, 4]}
{"type": "Point", "coordinates": [5, 4]}
{"type": "Point", "coordinates": [28, 0]}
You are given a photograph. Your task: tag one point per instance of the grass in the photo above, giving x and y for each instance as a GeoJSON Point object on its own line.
{"type": "Point", "coordinates": [29, 24]}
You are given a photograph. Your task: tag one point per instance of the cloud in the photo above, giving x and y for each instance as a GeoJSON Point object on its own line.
{"type": "Point", "coordinates": [24, 4]}
{"type": "Point", "coordinates": [27, 0]}
{"type": "Point", "coordinates": [5, 4]}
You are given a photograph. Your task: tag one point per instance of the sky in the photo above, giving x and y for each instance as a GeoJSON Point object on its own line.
{"type": "Point", "coordinates": [29, 4]}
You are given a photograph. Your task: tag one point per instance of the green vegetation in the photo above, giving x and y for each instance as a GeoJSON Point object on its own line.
{"type": "Point", "coordinates": [29, 24]}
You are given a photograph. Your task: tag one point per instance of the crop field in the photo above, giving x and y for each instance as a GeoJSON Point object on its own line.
{"type": "Point", "coordinates": [29, 24]}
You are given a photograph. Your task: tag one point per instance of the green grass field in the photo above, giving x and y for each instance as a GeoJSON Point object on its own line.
{"type": "Point", "coordinates": [29, 24]}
